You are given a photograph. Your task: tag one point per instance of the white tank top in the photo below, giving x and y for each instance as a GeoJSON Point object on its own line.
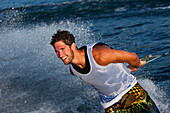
{"type": "Point", "coordinates": [111, 81]}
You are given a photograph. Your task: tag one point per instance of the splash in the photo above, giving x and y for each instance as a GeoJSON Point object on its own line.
{"type": "Point", "coordinates": [25, 44]}
{"type": "Point", "coordinates": [28, 62]}
{"type": "Point", "coordinates": [158, 95]}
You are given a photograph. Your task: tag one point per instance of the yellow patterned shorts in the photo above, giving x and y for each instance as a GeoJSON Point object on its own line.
{"type": "Point", "coordinates": [136, 100]}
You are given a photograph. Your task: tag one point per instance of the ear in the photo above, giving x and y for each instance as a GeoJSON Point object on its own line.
{"type": "Point", "coordinates": [73, 46]}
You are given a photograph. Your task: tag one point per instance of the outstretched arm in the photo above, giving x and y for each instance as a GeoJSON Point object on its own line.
{"type": "Point", "coordinates": [104, 55]}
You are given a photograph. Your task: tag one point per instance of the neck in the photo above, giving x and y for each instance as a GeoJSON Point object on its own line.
{"type": "Point", "coordinates": [79, 58]}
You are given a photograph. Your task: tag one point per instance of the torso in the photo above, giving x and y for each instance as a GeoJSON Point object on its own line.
{"type": "Point", "coordinates": [111, 80]}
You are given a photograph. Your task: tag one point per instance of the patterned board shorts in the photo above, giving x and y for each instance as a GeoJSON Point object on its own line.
{"type": "Point", "coordinates": [136, 100]}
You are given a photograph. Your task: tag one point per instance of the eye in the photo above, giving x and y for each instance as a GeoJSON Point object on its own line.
{"type": "Point", "coordinates": [62, 49]}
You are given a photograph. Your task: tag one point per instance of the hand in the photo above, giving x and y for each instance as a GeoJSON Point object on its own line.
{"type": "Point", "coordinates": [142, 63]}
{"type": "Point", "coordinates": [132, 68]}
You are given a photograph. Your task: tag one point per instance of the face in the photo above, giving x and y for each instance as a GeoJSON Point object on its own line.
{"type": "Point", "coordinates": [64, 52]}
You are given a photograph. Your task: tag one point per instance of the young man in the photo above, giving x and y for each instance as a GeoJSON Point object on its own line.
{"type": "Point", "coordinates": [103, 68]}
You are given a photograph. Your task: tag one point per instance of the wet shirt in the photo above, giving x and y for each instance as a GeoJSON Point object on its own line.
{"type": "Point", "coordinates": [111, 81]}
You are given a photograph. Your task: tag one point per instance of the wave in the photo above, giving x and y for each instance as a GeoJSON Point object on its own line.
{"type": "Point", "coordinates": [168, 7]}
{"type": "Point", "coordinates": [91, 9]}
{"type": "Point", "coordinates": [28, 62]}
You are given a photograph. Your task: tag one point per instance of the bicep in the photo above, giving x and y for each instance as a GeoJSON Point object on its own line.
{"type": "Point", "coordinates": [107, 55]}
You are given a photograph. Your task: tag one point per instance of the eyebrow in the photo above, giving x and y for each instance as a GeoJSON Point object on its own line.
{"type": "Point", "coordinates": [60, 49]}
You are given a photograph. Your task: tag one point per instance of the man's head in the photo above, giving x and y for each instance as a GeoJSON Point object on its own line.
{"type": "Point", "coordinates": [64, 43]}
{"type": "Point", "coordinates": [64, 36]}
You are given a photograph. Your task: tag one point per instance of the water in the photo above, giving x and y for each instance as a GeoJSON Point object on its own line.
{"type": "Point", "coordinates": [33, 80]}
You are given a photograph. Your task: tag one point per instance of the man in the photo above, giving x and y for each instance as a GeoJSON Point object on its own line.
{"type": "Point", "coordinates": [103, 68]}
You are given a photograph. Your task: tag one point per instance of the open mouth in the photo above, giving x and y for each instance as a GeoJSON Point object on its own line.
{"type": "Point", "coordinates": [64, 58]}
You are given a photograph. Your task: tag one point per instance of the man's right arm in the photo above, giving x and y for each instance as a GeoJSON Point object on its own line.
{"type": "Point", "coordinates": [105, 55]}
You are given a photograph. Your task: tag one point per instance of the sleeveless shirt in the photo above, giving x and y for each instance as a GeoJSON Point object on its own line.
{"type": "Point", "coordinates": [111, 81]}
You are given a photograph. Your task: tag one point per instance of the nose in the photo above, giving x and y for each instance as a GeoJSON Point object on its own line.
{"type": "Point", "coordinates": [59, 54]}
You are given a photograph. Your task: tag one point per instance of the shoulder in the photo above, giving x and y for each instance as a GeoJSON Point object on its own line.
{"type": "Point", "coordinates": [99, 48]}
{"type": "Point", "coordinates": [102, 54]}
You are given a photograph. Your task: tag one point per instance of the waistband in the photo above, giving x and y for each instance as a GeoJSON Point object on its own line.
{"type": "Point", "coordinates": [112, 100]}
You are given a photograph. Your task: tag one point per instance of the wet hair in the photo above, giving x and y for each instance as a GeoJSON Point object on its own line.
{"type": "Point", "coordinates": [64, 36]}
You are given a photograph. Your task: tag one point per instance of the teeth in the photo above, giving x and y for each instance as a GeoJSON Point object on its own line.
{"type": "Point", "coordinates": [64, 58]}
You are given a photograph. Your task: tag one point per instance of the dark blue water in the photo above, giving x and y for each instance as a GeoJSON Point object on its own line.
{"type": "Point", "coordinates": [33, 80]}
